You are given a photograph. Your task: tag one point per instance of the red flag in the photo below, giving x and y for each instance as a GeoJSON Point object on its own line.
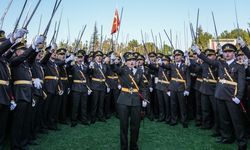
{"type": "Point", "coordinates": [116, 23]}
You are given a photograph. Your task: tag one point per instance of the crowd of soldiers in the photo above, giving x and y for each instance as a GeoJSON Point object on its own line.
{"type": "Point", "coordinates": [42, 87]}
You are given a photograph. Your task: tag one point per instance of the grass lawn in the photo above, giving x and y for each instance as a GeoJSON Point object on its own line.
{"type": "Point", "coordinates": [153, 136]}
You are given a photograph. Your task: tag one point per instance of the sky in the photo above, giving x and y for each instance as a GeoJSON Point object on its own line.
{"type": "Point", "coordinates": [145, 15]}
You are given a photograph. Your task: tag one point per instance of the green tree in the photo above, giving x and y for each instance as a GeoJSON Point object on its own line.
{"type": "Point", "coordinates": [203, 38]}
{"type": "Point", "coordinates": [94, 42]}
{"type": "Point", "coordinates": [233, 34]}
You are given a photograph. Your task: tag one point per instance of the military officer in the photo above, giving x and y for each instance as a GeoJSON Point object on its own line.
{"type": "Point", "coordinates": [229, 92]}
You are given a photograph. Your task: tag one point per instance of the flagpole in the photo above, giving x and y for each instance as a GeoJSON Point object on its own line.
{"type": "Point", "coordinates": [119, 27]}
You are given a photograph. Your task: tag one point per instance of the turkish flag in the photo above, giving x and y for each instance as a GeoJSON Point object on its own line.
{"type": "Point", "coordinates": [116, 23]}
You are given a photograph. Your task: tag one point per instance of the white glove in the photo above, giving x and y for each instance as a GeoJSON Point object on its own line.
{"type": "Point", "coordinates": [113, 57]}
{"type": "Point", "coordinates": [119, 86]}
{"type": "Point", "coordinates": [89, 92]}
{"type": "Point", "coordinates": [144, 104]}
{"type": "Point", "coordinates": [108, 90]}
{"type": "Point", "coordinates": [236, 100]}
{"type": "Point", "coordinates": [151, 89]}
{"type": "Point", "coordinates": [156, 80]}
{"type": "Point", "coordinates": [39, 39]}
{"type": "Point", "coordinates": [168, 93]}
{"type": "Point", "coordinates": [12, 105]}
{"type": "Point", "coordinates": [241, 42]}
{"type": "Point", "coordinates": [19, 33]}
{"type": "Point", "coordinates": [37, 83]}
{"type": "Point", "coordinates": [53, 46]}
{"type": "Point", "coordinates": [61, 92]}
{"type": "Point", "coordinates": [219, 47]}
{"type": "Point", "coordinates": [187, 61]}
{"type": "Point", "coordinates": [159, 61]}
{"type": "Point", "coordinates": [70, 58]}
{"type": "Point", "coordinates": [196, 49]}
{"type": "Point", "coordinates": [91, 65]}
{"type": "Point", "coordinates": [186, 54]}
{"type": "Point", "coordinates": [33, 103]}
{"type": "Point", "coordinates": [186, 93]}
{"type": "Point", "coordinates": [147, 60]}
{"type": "Point", "coordinates": [68, 91]}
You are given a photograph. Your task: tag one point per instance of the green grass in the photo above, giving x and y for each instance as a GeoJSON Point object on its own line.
{"type": "Point", "coordinates": [153, 136]}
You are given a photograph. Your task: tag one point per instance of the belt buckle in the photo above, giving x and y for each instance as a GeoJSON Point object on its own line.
{"type": "Point", "coordinates": [223, 81]}
{"type": "Point", "coordinates": [131, 90]}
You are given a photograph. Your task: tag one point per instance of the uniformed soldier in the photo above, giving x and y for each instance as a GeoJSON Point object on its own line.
{"type": "Point", "coordinates": [22, 86]}
{"type": "Point", "coordinates": [153, 94]}
{"type": "Point", "coordinates": [147, 86]}
{"type": "Point", "coordinates": [129, 102]}
{"type": "Point", "coordinates": [80, 90]}
{"type": "Point", "coordinates": [179, 87]}
{"type": "Point", "coordinates": [229, 92]}
{"type": "Point", "coordinates": [162, 88]}
{"type": "Point", "coordinates": [210, 115]}
{"type": "Point", "coordinates": [52, 87]}
{"type": "Point", "coordinates": [113, 82]}
{"type": "Point", "coordinates": [5, 87]}
{"type": "Point", "coordinates": [197, 79]}
{"type": "Point", "coordinates": [38, 96]}
{"type": "Point", "coordinates": [99, 87]}
{"type": "Point", "coordinates": [64, 82]}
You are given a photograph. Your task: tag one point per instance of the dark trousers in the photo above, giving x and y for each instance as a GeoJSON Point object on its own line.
{"type": "Point", "coordinates": [198, 116]}
{"type": "Point", "coordinates": [63, 109]}
{"type": "Point", "coordinates": [149, 109]}
{"type": "Point", "coordinates": [129, 114]}
{"type": "Point", "coordinates": [4, 113]}
{"type": "Point", "coordinates": [155, 104]}
{"type": "Point", "coordinates": [39, 118]}
{"type": "Point", "coordinates": [97, 105]}
{"type": "Point", "coordinates": [232, 121]}
{"type": "Point", "coordinates": [191, 105]}
{"type": "Point", "coordinates": [210, 115]}
{"type": "Point", "coordinates": [111, 100]}
{"type": "Point", "coordinates": [164, 106]}
{"type": "Point", "coordinates": [79, 99]}
{"type": "Point", "coordinates": [178, 99]}
{"type": "Point", "coordinates": [19, 125]}
{"type": "Point", "coordinates": [51, 108]}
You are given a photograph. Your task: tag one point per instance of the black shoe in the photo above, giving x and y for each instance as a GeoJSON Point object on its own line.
{"type": "Point", "coordinates": [167, 122]}
{"type": "Point", "coordinates": [102, 120]}
{"type": "Point", "coordinates": [215, 135]}
{"type": "Point", "coordinates": [43, 131]}
{"type": "Point", "coordinates": [33, 143]}
{"type": "Point", "coordinates": [173, 124]}
{"type": "Point", "coordinates": [185, 125]}
{"type": "Point", "coordinates": [205, 127]}
{"type": "Point", "coordinates": [52, 128]}
{"type": "Point", "coordinates": [64, 122]}
{"type": "Point", "coordinates": [160, 120]}
{"type": "Point", "coordinates": [86, 123]}
{"type": "Point", "coordinates": [242, 147]}
{"type": "Point", "coordinates": [198, 124]}
{"type": "Point", "coordinates": [92, 121]}
{"type": "Point", "coordinates": [224, 141]}
{"type": "Point", "coordinates": [73, 124]}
